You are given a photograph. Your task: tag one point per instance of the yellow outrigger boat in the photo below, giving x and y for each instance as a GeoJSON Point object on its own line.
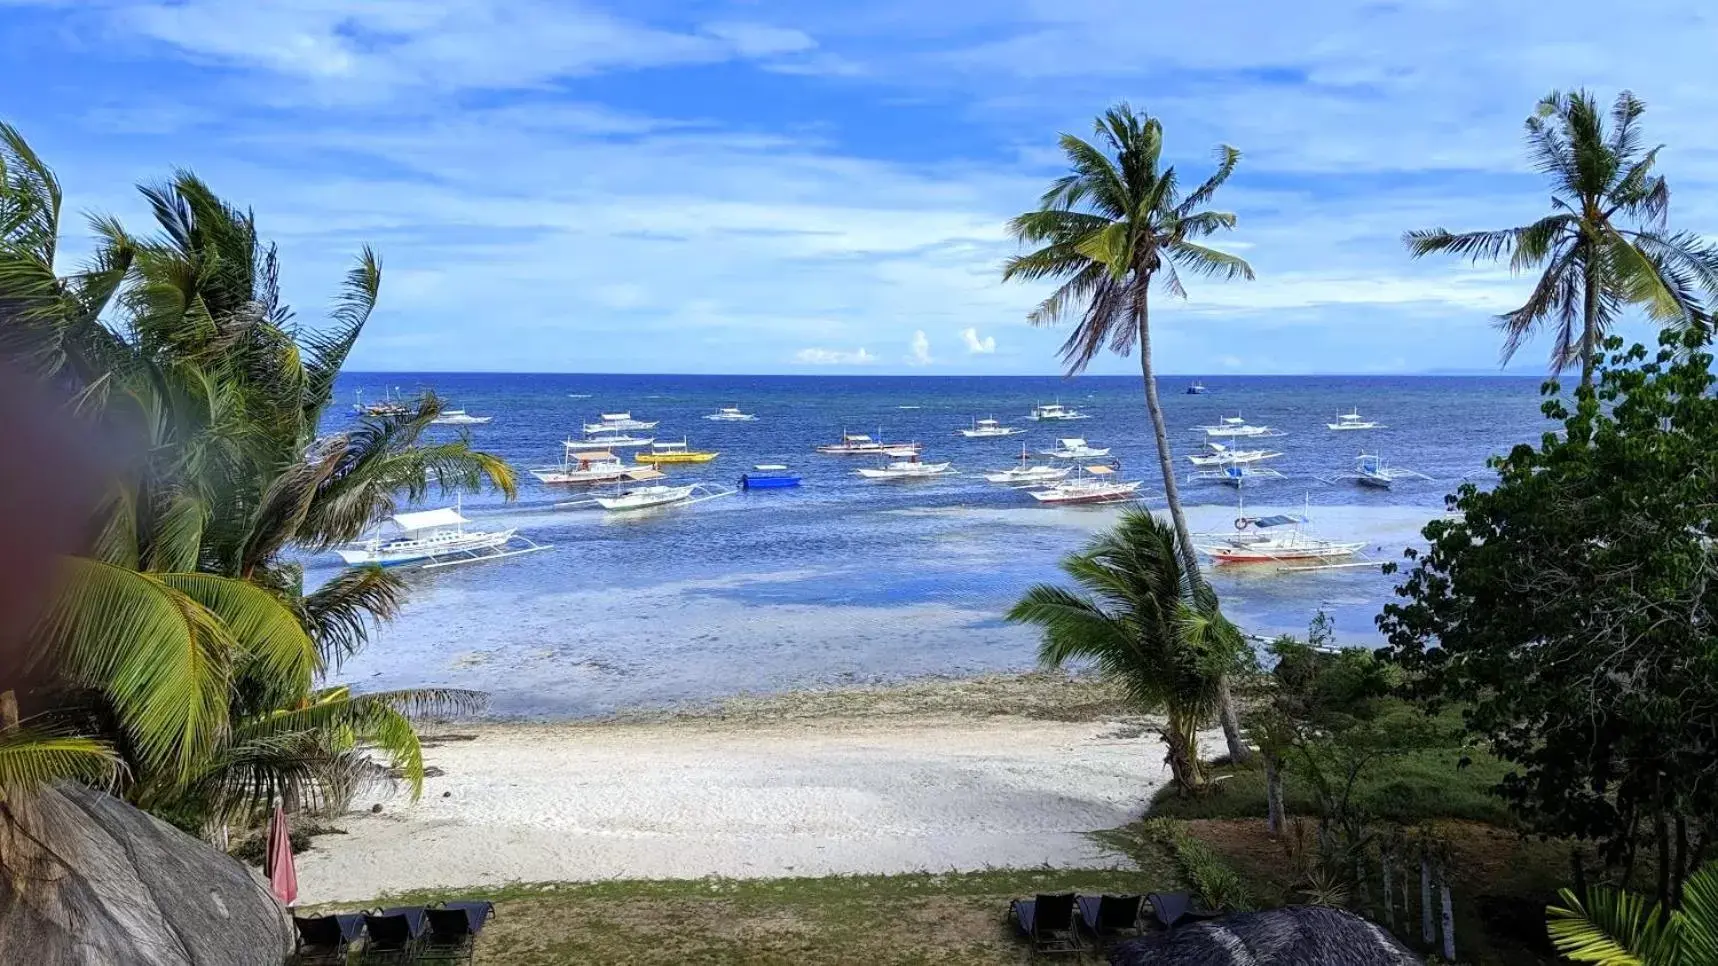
{"type": "Point", "coordinates": [674, 453]}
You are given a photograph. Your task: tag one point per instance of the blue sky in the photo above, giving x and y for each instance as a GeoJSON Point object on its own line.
{"type": "Point", "coordinates": [766, 186]}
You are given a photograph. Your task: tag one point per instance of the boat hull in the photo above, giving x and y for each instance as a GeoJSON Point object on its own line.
{"type": "Point", "coordinates": [675, 457]}
{"type": "Point", "coordinates": [1376, 482]}
{"type": "Point", "coordinates": [1057, 496]}
{"type": "Point", "coordinates": [403, 553]}
{"type": "Point", "coordinates": [751, 482]}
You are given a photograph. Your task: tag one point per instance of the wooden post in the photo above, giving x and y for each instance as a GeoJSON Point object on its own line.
{"type": "Point", "coordinates": [1389, 893]}
{"type": "Point", "coordinates": [1449, 915]}
{"type": "Point", "coordinates": [1426, 932]}
{"type": "Point", "coordinates": [8, 709]}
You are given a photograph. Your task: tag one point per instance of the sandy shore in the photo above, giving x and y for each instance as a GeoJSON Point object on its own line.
{"type": "Point", "coordinates": [757, 794]}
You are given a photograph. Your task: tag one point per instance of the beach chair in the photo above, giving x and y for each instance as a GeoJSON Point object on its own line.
{"type": "Point", "coordinates": [395, 935]}
{"type": "Point", "coordinates": [1110, 916]}
{"type": "Point", "coordinates": [1048, 920]}
{"type": "Point", "coordinates": [325, 939]}
{"type": "Point", "coordinates": [1177, 908]}
{"type": "Point", "coordinates": [453, 929]}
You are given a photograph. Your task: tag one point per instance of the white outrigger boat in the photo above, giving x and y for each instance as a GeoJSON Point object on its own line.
{"type": "Point", "coordinates": [1371, 470]}
{"type": "Point", "coordinates": [858, 444]}
{"type": "Point", "coordinates": [1235, 427]}
{"type": "Point", "coordinates": [459, 417]}
{"type": "Point", "coordinates": [905, 465]}
{"type": "Point", "coordinates": [989, 428]}
{"type": "Point", "coordinates": [1349, 421]}
{"type": "Point", "coordinates": [1028, 473]}
{"type": "Point", "coordinates": [435, 538]}
{"type": "Point", "coordinates": [607, 441]}
{"type": "Point", "coordinates": [1076, 449]}
{"type": "Point", "coordinates": [1280, 539]}
{"type": "Point", "coordinates": [1090, 486]}
{"type": "Point", "coordinates": [580, 466]}
{"type": "Point", "coordinates": [617, 422]}
{"type": "Point", "coordinates": [1044, 412]}
{"type": "Point", "coordinates": [651, 497]}
{"type": "Point", "coordinates": [731, 414]}
{"type": "Point", "coordinates": [1221, 455]}
{"type": "Point", "coordinates": [1236, 474]}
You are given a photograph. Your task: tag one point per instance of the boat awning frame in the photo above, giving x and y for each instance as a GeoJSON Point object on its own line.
{"type": "Point", "coordinates": [425, 519]}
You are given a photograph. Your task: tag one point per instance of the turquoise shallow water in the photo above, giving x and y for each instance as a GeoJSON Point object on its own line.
{"type": "Point", "coordinates": [846, 581]}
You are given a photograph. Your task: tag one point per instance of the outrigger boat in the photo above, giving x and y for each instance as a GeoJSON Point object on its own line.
{"type": "Point", "coordinates": [858, 444]}
{"type": "Point", "coordinates": [768, 476]}
{"type": "Point", "coordinates": [1236, 427]}
{"type": "Point", "coordinates": [1195, 389]}
{"type": "Point", "coordinates": [435, 538]}
{"type": "Point", "coordinates": [1224, 456]}
{"type": "Point", "coordinates": [674, 453]}
{"type": "Point", "coordinates": [1076, 449]}
{"type": "Point", "coordinates": [579, 466]}
{"type": "Point", "coordinates": [1055, 411]}
{"type": "Point", "coordinates": [616, 422]}
{"type": "Point", "coordinates": [1091, 485]}
{"type": "Point", "coordinates": [651, 497]}
{"type": "Point", "coordinates": [989, 428]}
{"type": "Point", "coordinates": [1351, 421]}
{"type": "Point", "coordinates": [1280, 538]}
{"type": "Point", "coordinates": [1028, 473]}
{"type": "Point", "coordinates": [1371, 470]}
{"type": "Point", "coordinates": [905, 466]}
{"type": "Point", "coordinates": [459, 417]}
{"type": "Point", "coordinates": [731, 414]}
{"type": "Point", "coordinates": [1236, 475]}
{"type": "Point", "coordinates": [389, 406]}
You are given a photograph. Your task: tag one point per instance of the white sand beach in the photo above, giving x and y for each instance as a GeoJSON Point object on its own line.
{"type": "Point", "coordinates": [703, 797]}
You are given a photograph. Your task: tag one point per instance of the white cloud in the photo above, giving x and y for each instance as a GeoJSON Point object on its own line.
{"type": "Point", "coordinates": [760, 40]}
{"type": "Point", "coordinates": [975, 345]}
{"type": "Point", "coordinates": [919, 350]}
{"type": "Point", "coordinates": [834, 357]}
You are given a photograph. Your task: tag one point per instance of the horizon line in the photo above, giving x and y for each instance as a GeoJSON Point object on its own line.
{"type": "Point", "coordinates": [1424, 373]}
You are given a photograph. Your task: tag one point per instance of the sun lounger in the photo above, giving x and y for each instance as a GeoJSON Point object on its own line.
{"type": "Point", "coordinates": [453, 929]}
{"type": "Point", "coordinates": [395, 934]}
{"type": "Point", "coordinates": [1110, 916]}
{"type": "Point", "coordinates": [1176, 908]}
{"type": "Point", "coordinates": [1048, 921]}
{"type": "Point", "coordinates": [325, 939]}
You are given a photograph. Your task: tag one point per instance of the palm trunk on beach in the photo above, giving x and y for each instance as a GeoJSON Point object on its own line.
{"type": "Point", "coordinates": [1239, 753]}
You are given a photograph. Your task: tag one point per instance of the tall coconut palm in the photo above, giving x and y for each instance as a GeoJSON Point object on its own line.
{"type": "Point", "coordinates": [1147, 625]}
{"type": "Point", "coordinates": [1614, 927]}
{"type": "Point", "coordinates": [1603, 247]}
{"type": "Point", "coordinates": [1113, 228]}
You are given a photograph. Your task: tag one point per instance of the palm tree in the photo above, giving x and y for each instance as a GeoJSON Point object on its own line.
{"type": "Point", "coordinates": [1109, 229]}
{"type": "Point", "coordinates": [1604, 245]}
{"type": "Point", "coordinates": [1147, 626]}
{"type": "Point", "coordinates": [1614, 927]}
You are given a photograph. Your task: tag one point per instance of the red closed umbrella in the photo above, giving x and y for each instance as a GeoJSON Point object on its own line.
{"type": "Point", "coordinates": [282, 877]}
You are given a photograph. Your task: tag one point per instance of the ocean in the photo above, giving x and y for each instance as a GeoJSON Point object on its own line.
{"type": "Point", "coordinates": [845, 581]}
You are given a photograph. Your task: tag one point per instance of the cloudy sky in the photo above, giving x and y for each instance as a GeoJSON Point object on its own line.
{"type": "Point", "coordinates": [774, 186]}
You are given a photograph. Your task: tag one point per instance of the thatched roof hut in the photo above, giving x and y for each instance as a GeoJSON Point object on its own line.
{"type": "Point", "coordinates": [1291, 936]}
{"type": "Point", "coordinates": [87, 880]}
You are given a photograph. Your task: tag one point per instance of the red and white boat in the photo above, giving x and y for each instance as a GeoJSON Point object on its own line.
{"type": "Point", "coordinates": [1091, 485]}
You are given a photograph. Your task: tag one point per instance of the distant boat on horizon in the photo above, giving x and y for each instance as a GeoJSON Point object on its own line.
{"type": "Point", "coordinates": [1196, 389]}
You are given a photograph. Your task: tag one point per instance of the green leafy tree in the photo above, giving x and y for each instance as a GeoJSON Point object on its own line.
{"type": "Point", "coordinates": [1113, 228]}
{"type": "Point", "coordinates": [1603, 247]}
{"type": "Point", "coordinates": [1614, 927]}
{"type": "Point", "coordinates": [1569, 612]}
{"type": "Point", "coordinates": [1145, 626]}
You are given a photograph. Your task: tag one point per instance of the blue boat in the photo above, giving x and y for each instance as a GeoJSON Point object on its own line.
{"type": "Point", "coordinates": [769, 476]}
{"type": "Point", "coordinates": [1196, 389]}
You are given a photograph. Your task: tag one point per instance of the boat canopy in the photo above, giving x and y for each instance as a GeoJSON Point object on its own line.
{"type": "Point", "coordinates": [905, 452]}
{"type": "Point", "coordinates": [855, 437]}
{"type": "Point", "coordinates": [588, 456]}
{"type": "Point", "coordinates": [766, 467]}
{"type": "Point", "coordinates": [1099, 470]}
{"type": "Point", "coordinates": [1280, 520]}
{"type": "Point", "coordinates": [1072, 443]}
{"type": "Point", "coordinates": [425, 519]}
{"type": "Point", "coordinates": [616, 417]}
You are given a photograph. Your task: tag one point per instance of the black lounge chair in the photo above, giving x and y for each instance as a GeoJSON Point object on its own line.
{"type": "Point", "coordinates": [1110, 916]}
{"type": "Point", "coordinates": [395, 934]}
{"type": "Point", "coordinates": [1176, 908]}
{"type": "Point", "coordinates": [1048, 921]}
{"type": "Point", "coordinates": [453, 929]}
{"type": "Point", "coordinates": [325, 939]}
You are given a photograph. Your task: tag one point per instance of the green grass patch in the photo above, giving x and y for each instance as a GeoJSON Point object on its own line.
{"type": "Point", "coordinates": [956, 918]}
{"type": "Point", "coordinates": [1409, 787]}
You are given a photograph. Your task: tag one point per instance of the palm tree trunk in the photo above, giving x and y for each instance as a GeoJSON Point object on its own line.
{"type": "Point", "coordinates": [1589, 325]}
{"type": "Point", "coordinates": [1183, 755]}
{"type": "Point", "coordinates": [1239, 753]}
{"type": "Point", "coordinates": [1274, 818]}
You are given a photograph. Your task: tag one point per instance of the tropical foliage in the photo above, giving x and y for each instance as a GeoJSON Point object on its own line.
{"type": "Point", "coordinates": [1114, 227]}
{"type": "Point", "coordinates": [184, 648]}
{"type": "Point", "coordinates": [1144, 624]}
{"type": "Point", "coordinates": [1569, 613]}
{"type": "Point", "coordinates": [1614, 927]}
{"type": "Point", "coordinates": [1604, 246]}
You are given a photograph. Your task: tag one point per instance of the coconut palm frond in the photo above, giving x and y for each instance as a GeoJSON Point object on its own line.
{"type": "Point", "coordinates": [1612, 928]}
{"type": "Point", "coordinates": [31, 759]}
{"type": "Point", "coordinates": [341, 613]}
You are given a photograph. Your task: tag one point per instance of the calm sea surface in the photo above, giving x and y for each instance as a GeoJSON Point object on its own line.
{"type": "Point", "coordinates": [845, 581]}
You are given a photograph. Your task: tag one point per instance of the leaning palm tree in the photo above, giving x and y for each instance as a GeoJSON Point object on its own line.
{"type": "Point", "coordinates": [1147, 626]}
{"type": "Point", "coordinates": [1603, 247]}
{"type": "Point", "coordinates": [1113, 227]}
{"type": "Point", "coordinates": [1614, 927]}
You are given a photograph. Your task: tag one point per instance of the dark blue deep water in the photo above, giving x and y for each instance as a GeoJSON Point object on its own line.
{"type": "Point", "coordinates": [848, 581]}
